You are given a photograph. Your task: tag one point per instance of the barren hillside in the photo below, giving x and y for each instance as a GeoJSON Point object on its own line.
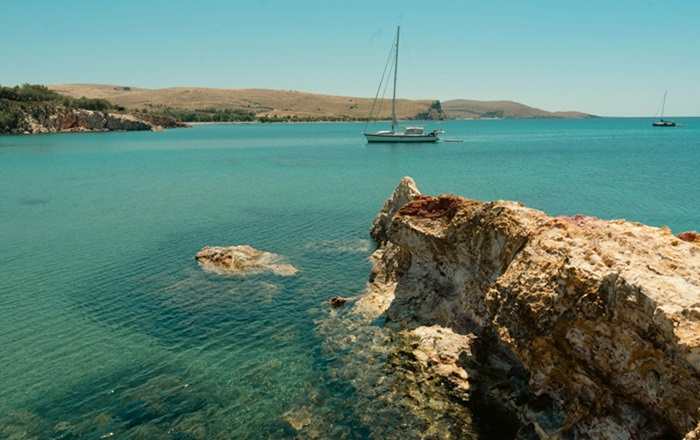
{"type": "Point", "coordinates": [468, 109]}
{"type": "Point", "coordinates": [266, 102]}
{"type": "Point", "coordinates": [262, 102]}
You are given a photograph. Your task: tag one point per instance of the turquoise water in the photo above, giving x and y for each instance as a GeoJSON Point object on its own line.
{"type": "Point", "coordinates": [109, 328]}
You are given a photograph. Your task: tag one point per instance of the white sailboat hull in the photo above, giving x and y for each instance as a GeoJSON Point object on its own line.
{"type": "Point", "coordinates": [401, 137]}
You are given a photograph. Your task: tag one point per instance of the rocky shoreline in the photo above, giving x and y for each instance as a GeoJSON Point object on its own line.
{"type": "Point", "coordinates": [57, 119]}
{"type": "Point", "coordinates": [569, 327]}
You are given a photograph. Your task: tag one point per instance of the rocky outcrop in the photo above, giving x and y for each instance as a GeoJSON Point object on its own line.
{"type": "Point", "coordinates": [579, 327]}
{"type": "Point", "coordinates": [694, 434]}
{"type": "Point", "coordinates": [242, 260]}
{"type": "Point", "coordinates": [57, 119]}
{"type": "Point", "coordinates": [404, 192]}
{"type": "Point", "coordinates": [434, 112]}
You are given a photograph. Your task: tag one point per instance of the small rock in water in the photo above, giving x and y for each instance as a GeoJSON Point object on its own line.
{"type": "Point", "coordinates": [242, 260]}
{"type": "Point", "coordinates": [337, 301]}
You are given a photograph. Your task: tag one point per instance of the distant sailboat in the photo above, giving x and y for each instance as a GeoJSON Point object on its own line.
{"type": "Point", "coordinates": [410, 134]}
{"type": "Point", "coordinates": [662, 122]}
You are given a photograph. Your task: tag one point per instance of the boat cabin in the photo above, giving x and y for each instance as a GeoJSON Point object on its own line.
{"type": "Point", "coordinates": [414, 130]}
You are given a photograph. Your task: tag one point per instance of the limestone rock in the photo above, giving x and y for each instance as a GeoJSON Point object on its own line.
{"type": "Point", "coordinates": [599, 321]}
{"type": "Point", "coordinates": [694, 434]}
{"type": "Point", "coordinates": [242, 260]}
{"type": "Point", "coordinates": [441, 347]}
{"type": "Point", "coordinates": [62, 119]}
{"type": "Point", "coordinates": [403, 193]}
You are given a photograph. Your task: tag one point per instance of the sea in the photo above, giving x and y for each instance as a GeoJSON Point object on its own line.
{"type": "Point", "coordinates": [109, 328]}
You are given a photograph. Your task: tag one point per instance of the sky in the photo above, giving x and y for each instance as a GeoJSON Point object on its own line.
{"type": "Point", "coordinates": [612, 58]}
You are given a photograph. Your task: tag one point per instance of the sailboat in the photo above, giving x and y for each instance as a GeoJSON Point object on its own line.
{"type": "Point", "coordinates": [409, 134]}
{"type": "Point", "coordinates": [662, 122]}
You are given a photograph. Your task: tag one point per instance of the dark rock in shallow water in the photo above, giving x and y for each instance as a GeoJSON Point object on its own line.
{"type": "Point", "coordinates": [337, 301]}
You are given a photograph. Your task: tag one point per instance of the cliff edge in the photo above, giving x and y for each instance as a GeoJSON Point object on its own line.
{"type": "Point", "coordinates": [578, 327]}
{"type": "Point", "coordinates": [33, 108]}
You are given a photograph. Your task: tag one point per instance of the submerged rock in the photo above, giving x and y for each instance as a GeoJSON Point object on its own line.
{"type": "Point", "coordinates": [242, 260]}
{"type": "Point", "coordinates": [298, 418]}
{"type": "Point", "coordinates": [580, 327]}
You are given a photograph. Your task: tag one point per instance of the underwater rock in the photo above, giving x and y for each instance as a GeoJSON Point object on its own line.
{"type": "Point", "coordinates": [298, 418]}
{"type": "Point", "coordinates": [242, 260]}
{"type": "Point", "coordinates": [333, 247]}
{"type": "Point", "coordinates": [594, 323]}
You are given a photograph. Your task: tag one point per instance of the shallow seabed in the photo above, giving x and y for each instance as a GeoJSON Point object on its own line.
{"type": "Point", "coordinates": [109, 328]}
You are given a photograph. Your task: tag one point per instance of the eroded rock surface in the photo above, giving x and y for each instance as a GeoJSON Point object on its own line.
{"type": "Point", "coordinates": [440, 348]}
{"type": "Point", "coordinates": [690, 236]}
{"type": "Point", "coordinates": [404, 192]}
{"type": "Point", "coordinates": [61, 119]}
{"type": "Point", "coordinates": [580, 327]}
{"type": "Point", "coordinates": [243, 260]}
{"type": "Point", "coordinates": [694, 434]}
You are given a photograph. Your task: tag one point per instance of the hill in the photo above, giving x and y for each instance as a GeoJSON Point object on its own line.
{"type": "Point", "coordinates": [261, 102]}
{"type": "Point", "coordinates": [471, 109]}
{"type": "Point", "coordinates": [269, 104]}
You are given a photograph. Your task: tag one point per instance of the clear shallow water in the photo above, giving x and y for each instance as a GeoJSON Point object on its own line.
{"type": "Point", "coordinates": [108, 326]}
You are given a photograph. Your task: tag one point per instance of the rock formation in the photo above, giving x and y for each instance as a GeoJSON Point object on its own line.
{"type": "Point", "coordinates": [578, 327]}
{"type": "Point", "coordinates": [404, 192]}
{"type": "Point", "coordinates": [694, 434]}
{"type": "Point", "coordinates": [690, 236]}
{"type": "Point", "coordinates": [242, 260]}
{"type": "Point", "coordinates": [338, 301]}
{"type": "Point", "coordinates": [56, 119]}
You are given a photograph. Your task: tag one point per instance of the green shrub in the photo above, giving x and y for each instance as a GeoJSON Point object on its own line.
{"type": "Point", "coordinates": [202, 115]}
{"type": "Point", "coordinates": [34, 93]}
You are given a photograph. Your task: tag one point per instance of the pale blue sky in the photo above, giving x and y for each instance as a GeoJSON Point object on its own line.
{"type": "Point", "coordinates": [603, 57]}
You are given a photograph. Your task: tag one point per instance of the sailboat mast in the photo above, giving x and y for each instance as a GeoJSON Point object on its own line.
{"type": "Point", "coordinates": [663, 104]}
{"type": "Point", "coordinates": [394, 123]}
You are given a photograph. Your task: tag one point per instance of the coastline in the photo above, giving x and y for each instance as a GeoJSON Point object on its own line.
{"type": "Point", "coordinates": [155, 128]}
